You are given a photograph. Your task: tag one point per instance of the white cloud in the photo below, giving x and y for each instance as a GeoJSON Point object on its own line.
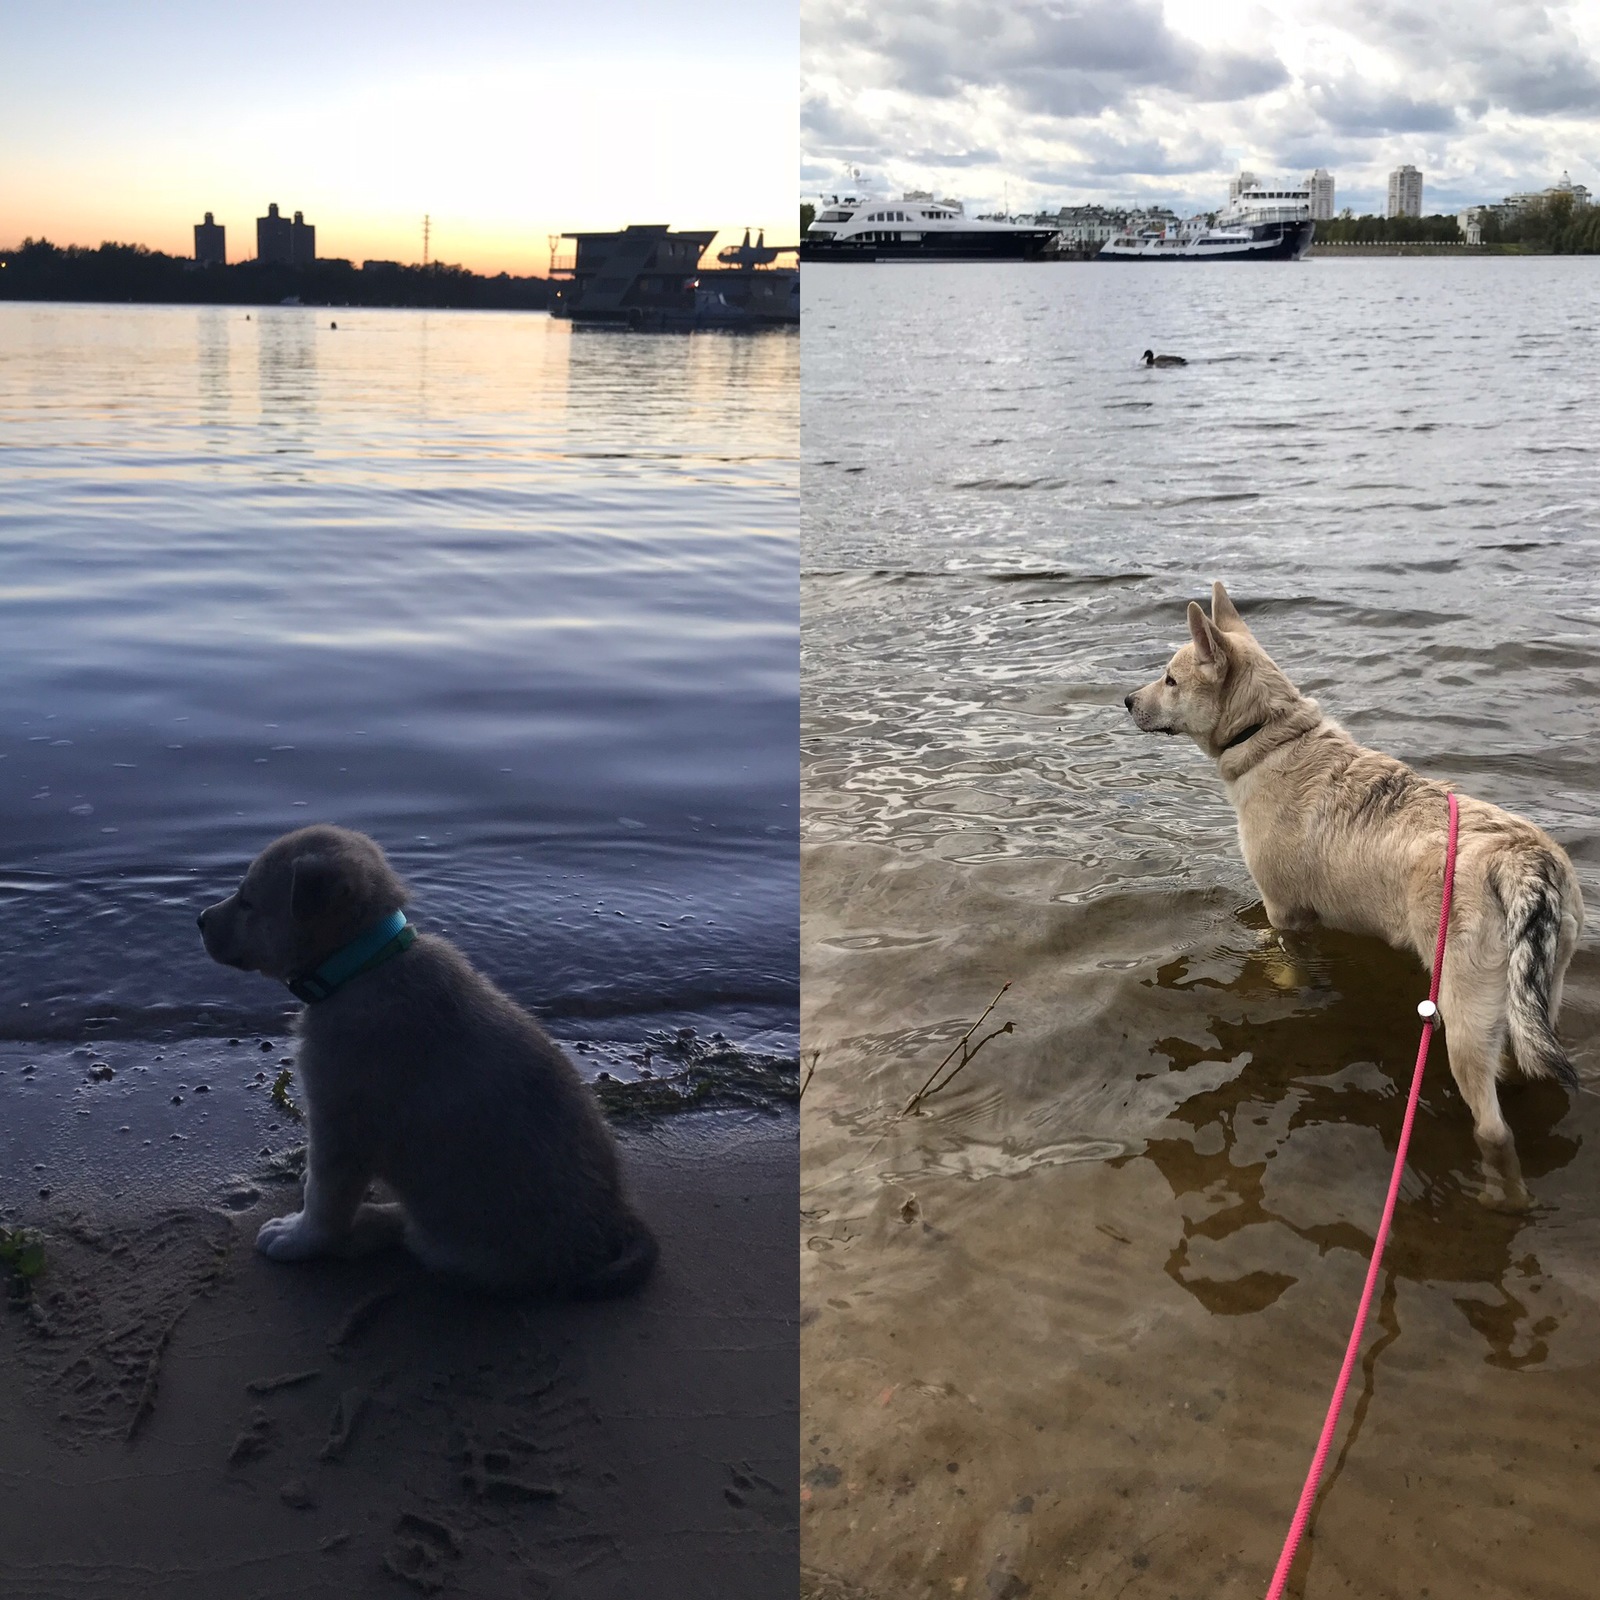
{"type": "Point", "coordinates": [1067, 100]}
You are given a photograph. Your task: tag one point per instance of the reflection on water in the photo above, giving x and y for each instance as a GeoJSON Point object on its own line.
{"type": "Point", "coordinates": [1125, 1246]}
{"type": "Point", "coordinates": [517, 601]}
{"type": "Point", "coordinates": [1327, 1090]}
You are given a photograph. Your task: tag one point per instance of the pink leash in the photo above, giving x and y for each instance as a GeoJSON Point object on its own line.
{"type": "Point", "coordinates": [1429, 1010]}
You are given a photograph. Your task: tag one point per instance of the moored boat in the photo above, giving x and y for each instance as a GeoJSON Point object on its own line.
{"type": "Point", "coordinates": [917, 227]}
{"type": "Point", "coordinates": [1260, 224]}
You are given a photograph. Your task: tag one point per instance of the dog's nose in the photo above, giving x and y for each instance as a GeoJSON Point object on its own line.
{"type": "Point", "coordinates": [1127, 701]}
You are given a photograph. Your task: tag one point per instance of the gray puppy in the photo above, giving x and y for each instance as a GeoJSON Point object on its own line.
{"type": "Point", "coordinates": [419, 1071]}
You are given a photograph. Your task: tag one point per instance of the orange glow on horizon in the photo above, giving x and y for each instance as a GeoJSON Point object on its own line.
{"type": "Point", "coordinates": [485, 250]}
{"type": "Point", "coordinates": [506, 156]}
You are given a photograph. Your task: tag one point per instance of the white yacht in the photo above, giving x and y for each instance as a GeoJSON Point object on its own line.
{"type": "Point", "coordinates": [1259, 224]}
{"type": "Point", "coordinates": [916, 227]}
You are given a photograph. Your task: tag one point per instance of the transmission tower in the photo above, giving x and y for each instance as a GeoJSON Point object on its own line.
{"type": "Point", "coordinates": [426, 227]}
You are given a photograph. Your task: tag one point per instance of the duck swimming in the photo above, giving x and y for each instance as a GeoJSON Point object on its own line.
{"type": "Point", "coordinates": [1151, 359]}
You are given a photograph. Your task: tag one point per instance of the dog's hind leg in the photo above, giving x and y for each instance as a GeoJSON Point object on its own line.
{"type": "Point", "coordinates": [1475, 1036]}
{"type": "Point", "coordinates": [375, 1227]}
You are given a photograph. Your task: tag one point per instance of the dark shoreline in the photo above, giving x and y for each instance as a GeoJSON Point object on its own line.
{"type": "Point", "coordinates": [116, 273]}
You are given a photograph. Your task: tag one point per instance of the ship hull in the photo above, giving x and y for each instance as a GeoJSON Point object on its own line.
{"type": "Point", "coordinates": [1289, 242]}
{"type": "Point", "coordinates": [1026, 244]}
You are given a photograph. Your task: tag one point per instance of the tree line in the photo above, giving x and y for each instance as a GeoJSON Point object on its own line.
{"type": "Point", "coordinates": [1438, 229]}
{"type": "Point", "coordinates": [1553, 224]}
{"type": "Point", "coordinates": [40, 270]}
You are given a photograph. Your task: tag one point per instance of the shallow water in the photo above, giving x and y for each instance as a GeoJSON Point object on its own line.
{"type": "Point", "coordinates": [1146, 1210]}
{"type": "Point", "coordinates": [517, 599]}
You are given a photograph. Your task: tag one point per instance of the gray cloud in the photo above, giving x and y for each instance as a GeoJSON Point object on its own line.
{"type": "Point", "coordinates": [837, 128]}
{"type": "Point", "coordinates": [1065, 58]}
{"type": "Point", "coordinates": [1538, 85]}
{"type": "Point", "coordinates": [1107, 155]}
{"type": "Point", "coordinates": [1352, 107]}
{"type": "Point", "coordinates": [1521, 56]}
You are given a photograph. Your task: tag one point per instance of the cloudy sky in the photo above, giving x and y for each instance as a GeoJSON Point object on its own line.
{"type": "Point", "coordinates": [504, 120]}
{"type": "Point", "coordinates": [1037, 102]}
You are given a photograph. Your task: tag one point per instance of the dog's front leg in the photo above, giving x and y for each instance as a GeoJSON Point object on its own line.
{"type": "Point", "coordinates": [1288, 918]}
{"type": "Point", "coordinates": [336, 1179]}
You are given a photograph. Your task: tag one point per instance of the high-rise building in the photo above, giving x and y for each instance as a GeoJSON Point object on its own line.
{"type": "Point", "coordinates": [1237, 186]}
{"type": "Point", "coordinates": [272, 239]}
{"type": "Point", "coordinates": [210, 243]}
{"type": "Point", "coordinates": [302, 241]}
{"type": "Point", "coordinates": [1405, 192]}
{"type": "Point", "coordinates": [285, 243]}
{"type": "Point", "coordinates": [1320, 185]}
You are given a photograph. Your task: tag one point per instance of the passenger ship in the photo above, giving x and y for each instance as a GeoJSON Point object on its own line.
{"type": "Point", "coordinates": [1258, 225]}
{"type": "Point", "coordinates": [855, 227]}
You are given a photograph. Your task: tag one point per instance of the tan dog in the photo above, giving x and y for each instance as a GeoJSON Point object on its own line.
{"type": "Point", "coordinates": [418, 1071]}
{"type": "Point", "coordinates": [1344, 836]}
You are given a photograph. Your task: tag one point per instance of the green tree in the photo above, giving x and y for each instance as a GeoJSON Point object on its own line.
{"type": "Point", "coordinates": [808, 214]}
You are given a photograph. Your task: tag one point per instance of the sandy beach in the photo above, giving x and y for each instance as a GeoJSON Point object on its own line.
{"type": "Point", "coordinates": [181, 1418]}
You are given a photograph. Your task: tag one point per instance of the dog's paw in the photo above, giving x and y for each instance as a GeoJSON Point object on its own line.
{"type": "Point", "coordinates": [289, 1238]}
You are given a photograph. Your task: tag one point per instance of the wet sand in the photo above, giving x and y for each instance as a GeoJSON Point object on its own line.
{"type": "Point", "coordinates": [181, 1418]}
{"type": "Point", "coordinates": [1072, 1328]}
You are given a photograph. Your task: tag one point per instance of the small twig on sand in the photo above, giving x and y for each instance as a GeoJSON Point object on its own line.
{"type": "Point", "coordinates": [146, 1401]}
{"type": "Point", "coordinates": [284, 1380]}
{"type": "Point", "coordinates": [346, 1414]}
{"type": "Point", "coordinates": [358, 1316]}
{"type": "Point", "coordinates": [932, 1088]}
{"type": "Point", "coordinates": [809, 1070]}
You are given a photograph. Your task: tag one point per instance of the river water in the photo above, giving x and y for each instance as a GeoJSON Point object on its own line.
{"type": "Point", "coordinates": [516, 598]}
{"type": "Point", "coordinates": [1072, 1326]}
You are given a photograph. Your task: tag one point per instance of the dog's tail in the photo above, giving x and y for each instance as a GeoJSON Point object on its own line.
{"type": "Point", "coordinates": [1532, 892]}
{"type": "Point", "coordinates": [633, 1262]}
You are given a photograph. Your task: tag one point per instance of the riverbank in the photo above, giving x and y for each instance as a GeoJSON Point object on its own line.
{"type": "Point", "coordinates": [1435, 251]}
{"type": "Point", "coordinates": [182, 1419]}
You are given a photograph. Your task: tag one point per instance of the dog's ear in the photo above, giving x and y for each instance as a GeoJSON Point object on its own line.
{"type": "Point", "coordinates": [1224, 614]}
{"type": "Point", "coordinates": [319, 886]}
{"type": "Point", "coordinates": [1208, 650]}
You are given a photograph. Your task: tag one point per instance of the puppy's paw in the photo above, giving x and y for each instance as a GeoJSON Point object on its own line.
{"type": "Point", "coordinates": [290, 1238]}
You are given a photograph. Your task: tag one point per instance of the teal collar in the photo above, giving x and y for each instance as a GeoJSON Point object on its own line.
{"type": "Point", "coordinates": [372, 949]}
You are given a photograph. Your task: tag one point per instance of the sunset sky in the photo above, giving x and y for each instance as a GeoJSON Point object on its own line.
{"type": "Point", "coordinates": [504, 122]}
